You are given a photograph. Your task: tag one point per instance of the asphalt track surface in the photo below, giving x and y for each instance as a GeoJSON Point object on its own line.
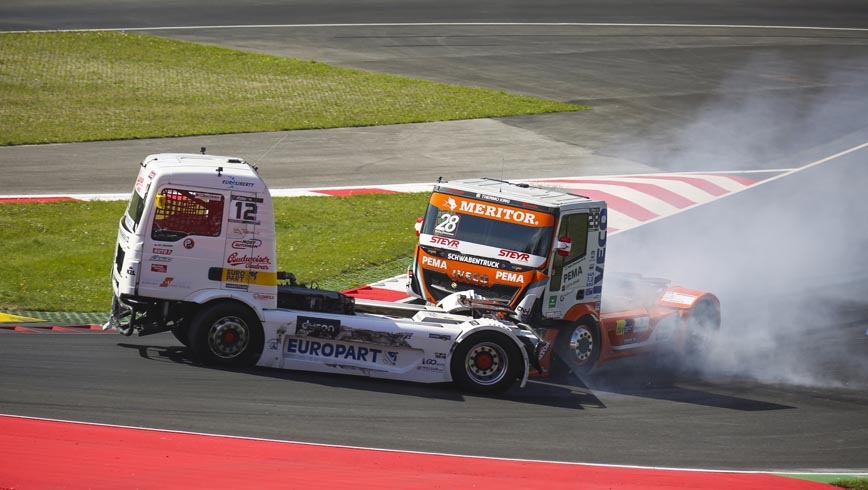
{"type": "Point", "coordinates": [788, 255]}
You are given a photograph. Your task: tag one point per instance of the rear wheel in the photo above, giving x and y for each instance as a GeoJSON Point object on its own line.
{"type": "Point", "coordinates": [226, 334]}
{"type": "Point", "coordinates": [702, 324]}
{"type": "Point", "coordinates": [579, 345]}
{"type": "Point", "coordinates": [486, 362]}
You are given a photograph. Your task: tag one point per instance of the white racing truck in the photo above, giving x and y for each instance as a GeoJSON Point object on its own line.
{"type": "Point", "coordinates": [542, 253]}
{"type": "Point", "coordinates": [196, 256]}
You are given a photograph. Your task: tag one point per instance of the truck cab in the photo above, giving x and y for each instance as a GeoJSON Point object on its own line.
{"type": "Point", "coordinates": [538, 251]}
{"type": "Point", "coordinates": [196, 255]}
{"type": "Point", "coordinates": [541, 252]}
{"type": "Point", "coordinates": [185, 210]}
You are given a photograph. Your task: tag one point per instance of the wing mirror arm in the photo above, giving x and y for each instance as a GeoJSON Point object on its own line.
{"type": "Point", "coordinates": [564, 245]}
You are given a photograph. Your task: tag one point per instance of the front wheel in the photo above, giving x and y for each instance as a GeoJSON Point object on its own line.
{"type": "Point", "coordinates": [226, 334]}
{"type": "Point", "coordinates": [486, 362]}
{"type": "Point", "coordinates": [579, 345]}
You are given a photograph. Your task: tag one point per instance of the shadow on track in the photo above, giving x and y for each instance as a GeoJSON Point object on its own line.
{"type": "Point", "coordinates": [643, 378]}
{"type": "Point", "coordinates": [568, 392]}
{"type": "Point", "coordinates": [660, 379]}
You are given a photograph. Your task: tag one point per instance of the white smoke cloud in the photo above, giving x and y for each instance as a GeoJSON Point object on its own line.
{"type": "Point", "coordinates": [788, 258]}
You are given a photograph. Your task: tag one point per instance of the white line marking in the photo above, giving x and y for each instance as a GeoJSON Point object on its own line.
{"type": "Point", "coordinates": [424, 453]}
{"type": "Point", "coordinates": [459, 24]}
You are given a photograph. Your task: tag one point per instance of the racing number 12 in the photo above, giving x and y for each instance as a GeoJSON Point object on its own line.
{"type": "Point", "coordinates": [245, 211]}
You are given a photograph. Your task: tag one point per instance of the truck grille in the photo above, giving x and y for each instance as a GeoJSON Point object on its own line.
{"type": "Point", "coordinates": [440, 286]}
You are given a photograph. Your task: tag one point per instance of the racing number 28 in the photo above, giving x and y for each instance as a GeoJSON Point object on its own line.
{"type": "Point", "coordinates": [447, 224]}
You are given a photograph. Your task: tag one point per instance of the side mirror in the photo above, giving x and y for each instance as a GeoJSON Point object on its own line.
{"type": "Point", "coordinates": [564, 246]}
{"type": "Point", "coordinates": [418, 226]}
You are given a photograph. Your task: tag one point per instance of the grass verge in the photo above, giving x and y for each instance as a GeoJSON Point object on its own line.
{"type": "Point", "coordinates": [86, 86]}
{"type": "Point", "coordinates": [58, 255]}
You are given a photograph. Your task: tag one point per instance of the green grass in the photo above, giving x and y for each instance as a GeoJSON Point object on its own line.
{"type": "Point", "coordinates": [86, 86]}
{"type": "Point", "coordinates": [57, 256]}
{"type": "Point", "coordinates": [852, 483]}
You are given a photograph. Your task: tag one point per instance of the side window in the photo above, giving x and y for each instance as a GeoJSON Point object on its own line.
{"type": "Point", "coordinates": [574, 226]}
{"type": "Point", "coordinates": [182, 213]}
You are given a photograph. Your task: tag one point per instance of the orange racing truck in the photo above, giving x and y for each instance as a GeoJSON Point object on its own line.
{"type": "Point", "coordinates": [541, 253]}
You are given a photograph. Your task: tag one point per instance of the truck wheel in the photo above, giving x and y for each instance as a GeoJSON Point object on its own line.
{"type": "Point", "coordinates": [226, 334]}
{"type": "Point", "coordinates": [486, 362]}
{"type": "Point", "coordinates": [181, 333]}
{"type": "Point", "coordinates": [702, 324]}
{"type": "Point", "coordinates": [579, 345]}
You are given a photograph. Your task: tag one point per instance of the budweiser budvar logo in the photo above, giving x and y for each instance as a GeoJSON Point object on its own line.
{"type": "Point", "coordinates": [262, 262]}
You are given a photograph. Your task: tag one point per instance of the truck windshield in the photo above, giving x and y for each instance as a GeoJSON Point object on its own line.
{"type": "Point", "coordinates": [481, 230]}
{"type": "Point", "coordinates": [134, 212]}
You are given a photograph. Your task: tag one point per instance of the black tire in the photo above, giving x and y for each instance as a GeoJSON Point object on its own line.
{"type": "Point", "coordinates": [579, 344]}
{"type": "Point", "coordinates": [182, 333]}
{"type": "Point", "coordinates": [702, 324]}
{"type": "Point", "coordinates": [486, 362]}
{"type": "Point", "coordinates": [226, 333]}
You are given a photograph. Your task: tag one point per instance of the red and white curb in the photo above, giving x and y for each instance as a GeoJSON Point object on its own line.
{"type": "Point", "coordinates": [632, 200]}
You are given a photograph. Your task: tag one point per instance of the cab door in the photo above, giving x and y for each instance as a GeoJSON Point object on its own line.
{"type": "Point", "coordinates": [569, 272]}
{"type": "Point", "coordinates": [184, 234]}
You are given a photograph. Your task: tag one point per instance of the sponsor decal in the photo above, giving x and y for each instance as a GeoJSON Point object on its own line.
{"type": "Point", "coordinates": [390, 358]}
{"type": "Point", "coordinates": [159, 268]}
{"type": "Point", "coordinates": [488, 197]}
{"type": "Point", "coordinates": [498, 212]}
{"type": "Point", "coordinates": [543, 350]}
{"type": "Point", "coordinates": [139, 182]}
{"type": "Point", "coordinates": [473, 260]}
{"type": "Point", "coordinates": [263, 297]}
{"type": "Point", "coordinates": [436, 365]}
{"type": "Point", "coordinates": [513, 277]}
{"type": "Point", "coordinates": [434, 262]}
{"type": "Point", "coordinates": [245, 244]}
{"type": "Point", "coordinates": [450, 203]}
{"type": "Point", "coordinates": [601, 256]}
{"type": "Point", "coordinates": [131, 271]}
{"type": "Point", "coordinates": [627, 326]}
{"type": "Point", "coordinates": [244, 276]}
{"type": "Point", "coordinates": [448, 242]}
{"type": "Point", "coordinates": [239, 287]}
{"type": "Point", "coordinates": [261, 262]}
{"type": "Point", "coordinates": [321, 328]}
{"type": "Point", "coordinates": [189, 243]}
{"type": "Point", "coordinates": [244, 209]}
{"type": "Point", "coordinates": [232, 182]}
{"type": "Point", "coordinates": [512, 254]}
{"type": "Point", "coordinates": [162, 251]}
{"type": "Point", "coordinates": [469, 277]}
{"type": "Point", "coordinates": [316, 348]}
{"type": "Point", "coordinates": [439, 336]}
{"type": "Point", "coordinates": [432, 362]}
{"type": "Point", "coordinates": [679, 298]}
{"type": "Point", "coordinates": [572, 275]}
{"type": "Point", "coordinates": [396, 339]}
{"type": "Point", "coordinates": [553, 301]}
{"type": "Point", "coordinates": [240, 231]}
{"type": "Point", "coordinates": [166, 282]}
